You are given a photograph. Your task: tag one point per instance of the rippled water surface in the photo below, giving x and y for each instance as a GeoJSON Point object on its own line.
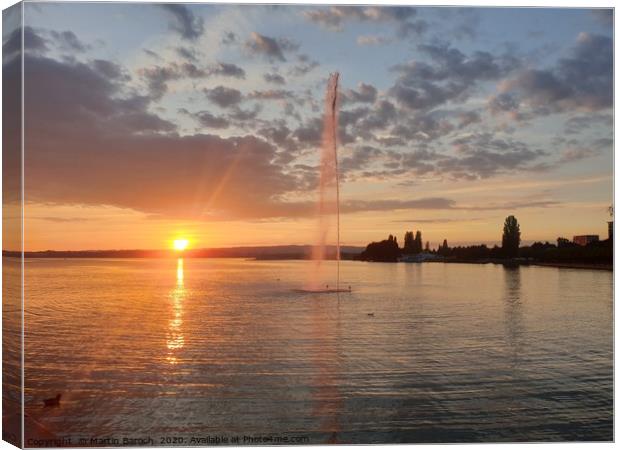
{"type": "Point", "coordinates": [415, 353]}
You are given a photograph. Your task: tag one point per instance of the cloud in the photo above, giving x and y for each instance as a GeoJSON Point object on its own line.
{"type": "Point", "coordinates": [241, 115]}
{"type": "Point", "coordinates": [104, 120]}
{"type": "Point", "coordinates": [419, 162]}
{"type": "Point", "coordinates": [274, 78]}
{"type": "Point", "coordinates": [334, 17]}
{"type": "Point", "coordinates": [210, 121]}
{"type": "Point", "coordinates": [577, 151]}
{"type": "Point", "coordinates": [379, 117]}
{"type": "Point", "coordinates": [110, 70]}
{"type": "Point", "coordinates": [508, 104]}
{"type": "Point", "coordinates": [310, 133]}
{"type": "Point", "coordinates": [582, 81]}
{"type": "Point", "coordinates": [351, 206]}
{"type": "Point", "coordinates": [272, 48]}
{"type": "Point", "coordinates": [68, 41]}
{"type": "Point", "coordinates": [578, 154]}
{"type": "Point", "coordinates": [439, 220]}
{"type": "Point", "coordinates": [33, 42]}
{"type": "Point", "coordinates": [158, 77]}
{"type": "Point", "coordinates": [449, 76]}
{"type": "Point", "coordinates": [503, 102]}
{"type": "Point", "coordinates": [235, 116]}
{"type": "Point", "coordinates": [474, 156]}
{"type": "Point", "coordinates": [229, 38]}
{"type": "Point", "coordinates": [278, 133]}
{"type": "Point", "coordinates": [227, 70]}
{"type": "Point", "coordinates": [424, 127]}
{"type": "Point", "coordinates": [330, 18]}
{"type": "Point", "coordinates": [271, 94]}
{"type": "Point", "coordinates": [151, 53]}
{"type": "Point", "coordinates": [512, 205]}
{"type": "Point", "coordinates": [360, 158]}
{"type": "Point", "coordinates": [304, 66]}
{"type": "Point", "coordinates": [183, 21]}
{"type": "Point", "coordinates": [417, 28]}
{"type": "Point", "coordinates": [467, 118]}
{"type": "Point", "coordinates": [187, 53]}
{"type": "Point", "coordinates": [111, 135]}
{"type": "Point", "coordinates": [223, 96]}
{"type": "Point", "coordinates": [103, 147]}
{"type": "Point", "coordinates": [63, 219]}
{"type": "Point", "coordinates": [385, 14]}
{"type": "Point", "coordinates": [365, 93]}
{"type": "Point", "coordinates": [353, 116]}
{"type": "Point", "coordinates": [578, 124]}
{"type": "Point", "coordinates": [85, 91]}
{"type": "Point", "coordinates": [372, 39]}
{"type": "Point", "coordinates": [482, 155]}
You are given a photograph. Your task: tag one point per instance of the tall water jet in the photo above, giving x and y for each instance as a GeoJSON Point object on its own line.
{"type": "Point", "coordinates": [329, 190]}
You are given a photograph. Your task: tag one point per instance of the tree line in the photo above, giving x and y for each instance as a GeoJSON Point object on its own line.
{"type": "Point", "coordinates": [565, 251]}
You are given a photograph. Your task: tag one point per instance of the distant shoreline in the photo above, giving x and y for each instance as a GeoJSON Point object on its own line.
{"type": "Point", "coordinates": [259, 252]}
{"type": "Point", "coordinates": [348, 257]}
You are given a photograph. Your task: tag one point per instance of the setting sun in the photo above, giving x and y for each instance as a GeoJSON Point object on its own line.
{"type": "Point", "coordinates": [180, 244]}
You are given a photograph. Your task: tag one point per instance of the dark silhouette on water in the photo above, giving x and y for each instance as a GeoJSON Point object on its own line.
{"type": "Point", "coordinates": [597, 254]}
{"type": "Point", "coordinates": [53, 402]}
{"type": "Point", "coordinates": [384, 251]}
{"type": "Point", "coordinates": [511, 237]}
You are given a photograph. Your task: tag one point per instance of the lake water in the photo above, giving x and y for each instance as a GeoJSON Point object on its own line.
{"type": "Point", "coordinates": [173, 350]}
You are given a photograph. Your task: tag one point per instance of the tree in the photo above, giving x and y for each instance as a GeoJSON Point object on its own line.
{"type": "Point", "coordinates": [418, 242]}
{"type": "Point", "coordinates": [563, 242]}
{"type": "Point", "coordinates": [408, 243]}
{"type": "Point", "coordinates": [511, 237]}
{"type": "Point", "coordinates": [427, 248]}
{"type": "Point", "coordinates": [385, 251]}
{"type": "Point", "coordinates": [443, 248]}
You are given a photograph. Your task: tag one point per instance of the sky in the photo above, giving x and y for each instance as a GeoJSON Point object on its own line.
{"type": "Point", "coordinates": [149, 122]}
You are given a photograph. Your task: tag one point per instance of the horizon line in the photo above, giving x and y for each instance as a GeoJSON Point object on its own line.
{"type": "Point", "coordinates": [255, 246]}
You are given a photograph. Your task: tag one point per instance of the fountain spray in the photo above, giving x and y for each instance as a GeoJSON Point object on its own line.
{"type": "Point", "coordinates": [329, 189]}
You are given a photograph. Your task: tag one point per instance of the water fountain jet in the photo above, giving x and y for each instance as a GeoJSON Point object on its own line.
{"type": "Point", "coordinates": [329, 193]}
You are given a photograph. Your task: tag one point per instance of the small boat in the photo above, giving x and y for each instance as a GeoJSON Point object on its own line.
{"type": "Point", "coordinates": [53, 402]}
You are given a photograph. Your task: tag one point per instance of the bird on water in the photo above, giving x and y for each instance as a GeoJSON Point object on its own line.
{"type": "Point", "coordinates": [53, 402]}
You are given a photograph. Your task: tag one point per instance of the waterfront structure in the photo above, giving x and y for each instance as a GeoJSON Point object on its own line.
{"type": "Point", "coordinates": [585, 239]}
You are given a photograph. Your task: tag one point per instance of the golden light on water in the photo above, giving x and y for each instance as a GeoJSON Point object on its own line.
{"type": "Point", "coordinates": [180, 272]}
{"type": "Point", "coordinates": [180, 244]}
{"type": "Point", "coordinates": [175, 339]}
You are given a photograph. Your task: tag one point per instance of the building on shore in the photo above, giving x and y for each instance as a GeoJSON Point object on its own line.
{"type": "Point", "coordinates": [610, 229]}
{"type": "Point", "coordinates": [585, 239]}
{"type": "Point", "coordinates": [420, 257]}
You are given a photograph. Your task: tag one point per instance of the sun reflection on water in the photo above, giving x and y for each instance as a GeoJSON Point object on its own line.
{"type": "Point", "coordinates": [180, 272]}
{"type": "Point", "coordinates": [175, 338]}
